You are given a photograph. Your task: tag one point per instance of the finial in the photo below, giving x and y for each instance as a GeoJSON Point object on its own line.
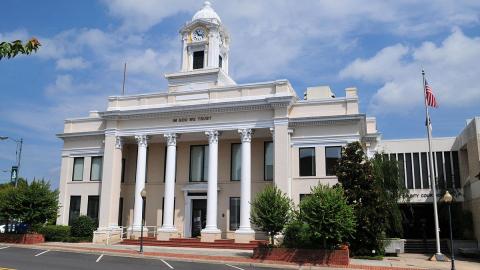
{"type": "Point", "coordinates": [207, 3]}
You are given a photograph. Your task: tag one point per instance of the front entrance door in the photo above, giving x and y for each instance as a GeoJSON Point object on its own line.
{"type": "Point", "coordinates": [199, 216]}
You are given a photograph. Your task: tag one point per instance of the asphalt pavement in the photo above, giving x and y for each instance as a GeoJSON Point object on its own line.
{"type": "Point", "coordinates": [44, 259]}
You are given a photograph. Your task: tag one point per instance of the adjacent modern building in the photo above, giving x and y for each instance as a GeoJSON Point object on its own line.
{"type": "Point", "coordinates": [206, 146]}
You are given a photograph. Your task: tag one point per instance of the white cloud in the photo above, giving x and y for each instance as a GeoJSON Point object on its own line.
{"type": "Point", "coordinates": [452, 71]}
{"type": "Point", "coordinates": [72, 63]}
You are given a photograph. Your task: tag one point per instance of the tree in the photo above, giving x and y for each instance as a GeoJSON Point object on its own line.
{"type": "Point", "coordinates": [271, 211]}
{"type": "Point", "coordinates": [392, 189]}
{"type": "Point", "coordinates": [356, 175]}
{"type": "Point", "coordinates": [31, 203]}
{"type": "Point", "coordinates": [12, 49]}
{"type": "Point", "coordinates": [331, 221]}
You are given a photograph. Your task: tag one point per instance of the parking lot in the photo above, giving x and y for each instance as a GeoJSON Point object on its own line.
{"type": "Point", "coordinates": [26, 258]}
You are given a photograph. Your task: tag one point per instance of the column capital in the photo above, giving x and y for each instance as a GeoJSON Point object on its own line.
{"type": "Point", "coordinates": [212, 136]}
{"type": "Point", "coordinates": [142, 140]}
{"type": "Point", "coordinates": [118, 142]}
{"type": "Point", "coordinates": [171, 139]}
{"type": "Point", "coordinates": [272, 131]}
{"type": "Point", "coordinates": [246, 134]}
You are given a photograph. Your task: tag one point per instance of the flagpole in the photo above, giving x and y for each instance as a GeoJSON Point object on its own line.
{"type": "Point", "coordinates": [438, 256]}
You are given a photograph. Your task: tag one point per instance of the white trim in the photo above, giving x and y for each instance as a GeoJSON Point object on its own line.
{"type": "Point", "coordinates": [327, 140]}
{"type": "Point", "coordinates": [187, 222]}
{"type": "Point", "coordinates": [82, 152]}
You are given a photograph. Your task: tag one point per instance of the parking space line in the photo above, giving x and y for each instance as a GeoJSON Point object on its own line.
{"type": "Point", "coordinates": [233, 266]}
{"type": "Point", "coordinates": [43, 252]}
{"type": "Point", "coordinates": [4, 247]}
{"type": "Point", "coordinates": [99, 258]}
{"type": "Point", "coordinates": [171, 267]}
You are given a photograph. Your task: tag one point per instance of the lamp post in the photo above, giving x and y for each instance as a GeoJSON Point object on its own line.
{"type": "Point", "coordinates": [447, 198]}
{"type": "Point", "coordinates": [143, 193]}
{"type": "Point", "coordinates": [18, 153]}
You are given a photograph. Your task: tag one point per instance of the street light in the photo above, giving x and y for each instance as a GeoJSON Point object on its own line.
{"type": "Point", "coordinates": [447, 198]}
{"type": "Point", "coordinates": [18, 153]}
{"type": "Point", "coordinates": [143, 193]}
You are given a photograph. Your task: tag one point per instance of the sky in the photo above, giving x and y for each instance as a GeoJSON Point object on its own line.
{"type": "Point", "coordinates": [379, 47]}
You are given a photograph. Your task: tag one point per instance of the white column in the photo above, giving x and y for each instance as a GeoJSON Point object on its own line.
{"type": "Point", "coordinates": [245, 182]}
{"type": "Point", "coordinates": [169, 184]}
{"type": "Point", "coordinates": [140, 181]}
{"type": "Point", "coordinates": [211, 226]}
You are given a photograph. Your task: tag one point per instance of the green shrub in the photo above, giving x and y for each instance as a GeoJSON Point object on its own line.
{"type": "Point", "coordinates": [55, 233]}
{"type": "Point", "coordinates": [83, 226]}
{"type": "Point", "coordinates": [297, 235]}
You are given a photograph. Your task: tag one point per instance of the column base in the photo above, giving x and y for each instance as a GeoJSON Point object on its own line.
{"type": "Point", "coordinates": [164, 234]}
{"type": "Point", "coordinates": [244, 235]}
{"type": "Point", "coordinates": [210, 235]}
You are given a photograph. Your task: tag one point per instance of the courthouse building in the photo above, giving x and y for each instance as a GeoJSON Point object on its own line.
{"type": "Point", "coordinates": [206, 146]}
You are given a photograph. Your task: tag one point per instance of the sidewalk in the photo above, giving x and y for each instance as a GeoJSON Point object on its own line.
{"type": "Point", "coordinates": [243, 257]}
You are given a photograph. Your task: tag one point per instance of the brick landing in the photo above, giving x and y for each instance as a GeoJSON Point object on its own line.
{"type": "Point", "coordinates": [196, 243]}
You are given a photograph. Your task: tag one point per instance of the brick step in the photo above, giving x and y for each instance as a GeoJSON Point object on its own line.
{"type": "Point", "coordinates": [225, 241]}
{"type": "Point", "coordinates": [195, 244]}
{"type": "Point", "coordinates": [185, 240]}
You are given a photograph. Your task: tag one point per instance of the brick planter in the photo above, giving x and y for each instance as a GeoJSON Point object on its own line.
{"type": "Point", "coordinates": [27, 238]}
{"type": "Point", "coordinates": [302, 256]}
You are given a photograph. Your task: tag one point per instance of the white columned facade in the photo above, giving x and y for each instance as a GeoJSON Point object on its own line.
{"type": "Point", "coordinates": [168, 230]}
{"type": "Point", "coordinates": [245, 233]}
{"type": "Point", "coordinates": [211, 232]}
{"type": "Point", "coordinates": [142, 141]}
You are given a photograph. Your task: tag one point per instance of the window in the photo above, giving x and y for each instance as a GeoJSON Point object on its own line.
{"type": "Point", "coordinates": [96, 169]}
{"type": "Point", "coordinates": [425, 165]}
{"type": "Point", "coordinates": [440, 171]}
{"type": "Point", "coordinates": [307, 161]}
{"type": "Point", "coordinates": [93, 206]}
{"type": "Point", "coordinates": [408, 161]}
{"type": "Point", "coordinates": [303, 196]}
{"type": "Point", "coordinates": [401, 167]}
{"type": "Point", "coordinates": [74, 211]}
{"type": "Point", "coordinates": [236, 162]}
{"type": "Point", "coordinates": [234, 213]}
{"type": "Point", "coordinates": [448, 169]}
{"type": "Point", "coordinates": [77, 169]}
{"type": "Point", "coordinates": [123, 170]}
{"type": "Point", "coordinates": [198, 59]}
{"type": "Point", "coordinates": [268, 161]}
{"type": "Point", "coordinates": [198, 163]}
{"type": "Point", "coordinates": [332, 155]}
{"type": "Point", "coordinates": [120, 211]}
{"type": "Point", "coordinates": [220, 60]}
{"type": "Point", "coordinates": [416, 169]}
{"type": "Point", "coordinates": [456, 169]}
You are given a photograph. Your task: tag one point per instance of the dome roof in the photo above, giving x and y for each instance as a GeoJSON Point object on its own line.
{"type": "Point", "coordinates": [206, 13]}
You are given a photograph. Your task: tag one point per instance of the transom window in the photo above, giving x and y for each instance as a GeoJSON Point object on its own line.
{"type": "Point", "coordinates": [307, 161]}
{"type": "Point", "coordinates": [199, 163]}
{"type": "Point", "coordinates": [198, 59]}
{"type": "Point", "coordinates": [332, 155]}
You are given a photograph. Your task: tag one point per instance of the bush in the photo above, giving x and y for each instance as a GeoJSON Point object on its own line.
{"type": "Point", "coordinates": [56, 233]}
{"type": "Point", "coordinates": [271, 211]}
{"type": "Point", "coordinates": [83, 226]}
{"type": "Point", "coordinates": [297, 235]}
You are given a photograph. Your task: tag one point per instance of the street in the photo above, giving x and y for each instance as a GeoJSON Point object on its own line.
{"type": "Point", "coordinates": [42, 259]}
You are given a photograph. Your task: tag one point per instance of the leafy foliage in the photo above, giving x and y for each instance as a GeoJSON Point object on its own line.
{"type": "Point", "coordinates": [391, 188]}
{"type": "Point", "coordinates": [83, 226]}
{"type": "Point", "coordinates": [271, 211]}
{"type": "Point", "coordinates": [55, 232]}
{"type": "Point", "coordinates": [12, 49]}
{"type": "Point", "coordinates": [328, 216]}
{"type": "Point", "coordinates": [31, 203]}
{"type": "Point", "coordinates": [357, 177]}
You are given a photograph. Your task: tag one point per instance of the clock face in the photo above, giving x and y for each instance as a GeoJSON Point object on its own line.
{"type": "Point", "coordinates": [198, 34]}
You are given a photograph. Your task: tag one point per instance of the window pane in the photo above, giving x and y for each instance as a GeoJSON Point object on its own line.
{"type": "Point", "coordinates": [74, 211]}
{"type": "Point", "coordinates": [332, 155]}
{"type": "Point", "coordinates": [408, 160]}
{"type": "Point", "coordinates": [440, 172]}
{"type": "Point", "coordinates": [198, 59]}
{"type": "Point", "coordinates": [92, 207]}
{"type": "Point", "coordinates": [307, 161]}
{"type": "Point", "coordinates": [236, 162]}
{"type": "Point", "coordinates": [456, 169]}
{"type": "Point", "coordinates": [268, 161]}
{"type": "Point", "coordinates": [96, 170]}
{"type": "Point", "coordinates": [234, 213]}
{"type": "Point", "coordinates": [448, 170]}
{"type": "Point", "coordinates": [196, 163]}
{"type": "Point", "coordinates": [77, 169]}
{"type": "Point", "coordinates": [401, 167]}
{"type": "Point", "coordinates": [205, 163]}
{"type": "Point", "coordinates": [425, 165]}
{"type": "Point", "coordinates": [416, 169]}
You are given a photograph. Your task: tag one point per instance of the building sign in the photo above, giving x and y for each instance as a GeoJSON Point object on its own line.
{"type": "Point", "coordinates": [191, 119]}
{"type": "Point", "coordinates": [426, 195]}
{"type": "Point", "coordinates": [14, 174]}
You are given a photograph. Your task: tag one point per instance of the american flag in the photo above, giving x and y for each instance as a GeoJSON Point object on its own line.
{"type": "Point", "coordinates": [430, 98]}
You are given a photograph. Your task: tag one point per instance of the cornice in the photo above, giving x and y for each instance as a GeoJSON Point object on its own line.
{"type": "Point", "coordinates": [80, 134]}
{"type": "Point", "coordinates": [325, 120]}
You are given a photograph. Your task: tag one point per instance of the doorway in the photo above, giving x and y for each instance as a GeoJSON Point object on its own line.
{"type": "Point", "coordinates": [199, 216]}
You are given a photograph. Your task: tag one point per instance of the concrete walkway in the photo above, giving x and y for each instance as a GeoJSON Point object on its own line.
{"type": "Point", "coordinates": [404, 261]}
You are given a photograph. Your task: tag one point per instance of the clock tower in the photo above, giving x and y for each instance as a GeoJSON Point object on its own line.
{"type": "Point", "coordinates": [205, 46]}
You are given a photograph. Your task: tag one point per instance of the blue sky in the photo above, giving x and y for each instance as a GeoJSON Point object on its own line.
{"type": "Point", "coordinates": [380, 48]}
